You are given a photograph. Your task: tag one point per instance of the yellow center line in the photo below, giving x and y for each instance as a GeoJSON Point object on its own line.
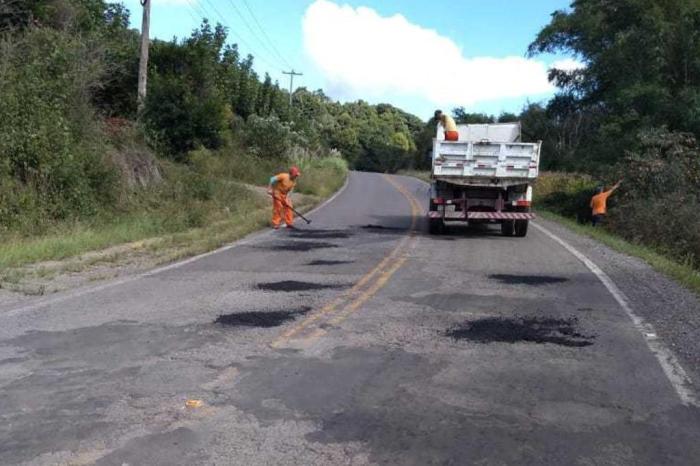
{"type": "Point", "coordinates": [384, 270]}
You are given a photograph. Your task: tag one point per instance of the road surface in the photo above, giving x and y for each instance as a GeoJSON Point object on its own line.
{"type": "Point", "coordinates": [360, 340]}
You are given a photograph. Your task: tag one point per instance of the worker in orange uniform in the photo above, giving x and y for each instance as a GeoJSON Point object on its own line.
{"type": "Point", "coordinates": [599, 203]}
{"type": "Point", "coordinates": [280, 188]}
{"type": "Point", "coordinates": [449, 125]}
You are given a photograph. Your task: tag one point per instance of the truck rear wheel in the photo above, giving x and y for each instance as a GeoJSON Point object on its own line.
{"type": "Point", "coordinates": [436, 226]}
{"type": "Point", "coordinates": [521, 227]}
{"type": "Point", "coordinates": [507, 227]}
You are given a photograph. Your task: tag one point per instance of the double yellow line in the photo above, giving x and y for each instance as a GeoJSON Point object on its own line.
{"type": "Point", "coordinates": [335, 312]}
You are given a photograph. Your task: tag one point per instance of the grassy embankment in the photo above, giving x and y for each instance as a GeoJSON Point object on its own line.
{"type": "Point", "coordinates": [558, 197]}
{"type": "Point", "coordinates": [196, 208]}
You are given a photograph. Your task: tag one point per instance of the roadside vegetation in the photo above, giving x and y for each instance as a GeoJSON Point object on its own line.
{"type": "Point", "coordinates": [81, 169]}
{"type": "Point", "coordinates": [631, 111]}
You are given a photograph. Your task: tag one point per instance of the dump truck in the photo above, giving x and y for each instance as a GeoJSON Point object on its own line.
{"type": "Point", "coordinates": [484, 177]}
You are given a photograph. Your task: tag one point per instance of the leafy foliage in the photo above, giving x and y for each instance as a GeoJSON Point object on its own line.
{"type": "Point", "coordinates": [51, 154]}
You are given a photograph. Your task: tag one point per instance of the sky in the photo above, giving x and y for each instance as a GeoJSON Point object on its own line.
{"type": "Point", "coordinates": [417, 55]}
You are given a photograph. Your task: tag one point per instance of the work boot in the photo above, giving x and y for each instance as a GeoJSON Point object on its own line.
{"type": "Point", "coordinates": [291, 227]}
{"type": "Point", "coordinates": [275, 227]}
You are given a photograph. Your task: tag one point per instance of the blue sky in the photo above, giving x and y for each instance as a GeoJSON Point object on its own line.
{"type": "Point", "coordinates": [417, 55]}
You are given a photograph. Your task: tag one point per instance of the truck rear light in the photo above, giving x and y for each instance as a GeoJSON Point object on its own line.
{"type": "Point", "coordinates": [438, 201]}
{"type": "Point", "coordinates": [523, 203]}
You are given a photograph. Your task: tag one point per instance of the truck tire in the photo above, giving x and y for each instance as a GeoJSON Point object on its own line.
{"type": "Point", "coordinates": [521, 228]}
{"type": "Point", "coordinates": [436, 226]}
{"type": "Point", "coordinates": [507, 227]}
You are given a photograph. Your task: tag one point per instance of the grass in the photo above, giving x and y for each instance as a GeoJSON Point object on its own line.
{"type": "Point", "coordinates": [423, 175]}
{"type": "Point", "coordinates": [682, 273]}
{"type": "Point", "coordinates": [196, 209]}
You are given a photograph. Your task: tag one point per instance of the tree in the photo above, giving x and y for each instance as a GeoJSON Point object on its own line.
{"type": "Point", "coordinates": [642, 68]}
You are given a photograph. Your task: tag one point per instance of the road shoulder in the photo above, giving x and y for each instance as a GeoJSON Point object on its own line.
{"type": "Point", "coordinates": [673, 310]}
{"type": "Point", "coordinates": [26, 283]}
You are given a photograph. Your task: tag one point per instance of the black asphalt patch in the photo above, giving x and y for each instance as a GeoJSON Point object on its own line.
{"type": "Point", "coordinates": [324, 262]}
{"type": "Point", "coordinates": [320, 234]}
{"type": "Point", "coordinates": [301, 246]}
{"type": "Point", "coordinates": [260, 318]}
{"type": "Point", "coordinates": [522, 329]}
{"type": "Point", "coordinates": [382, 228]}
{"type": "Point", "coordinates": [527, 279]}
{"type": "Point", "coordinates": [293, 285]}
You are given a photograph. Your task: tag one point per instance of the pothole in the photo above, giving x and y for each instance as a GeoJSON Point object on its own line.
{"type": "Point", "coordinates": [382, 228]}
{"type": "Point", "coordinates": [298, 246]}
{"type": "Point", "coordinates": [522, 329]}
{"type": "Point", "coordinates": [328, 262]}
{"type": "Point", "coordinates": [260, 318]}
{"type": "Point", "coordinates": [293, 285]}
{"type": "Point", "coordinates": [319, 234]}
{"type": "Point", "coordinates": [527, 279]}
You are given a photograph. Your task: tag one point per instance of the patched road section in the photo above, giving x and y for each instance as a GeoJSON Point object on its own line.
{"type": "Point", "coordinates": [360, 341]}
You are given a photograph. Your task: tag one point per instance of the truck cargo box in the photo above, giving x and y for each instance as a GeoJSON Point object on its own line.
{"type": "Point", "coordinates": [486, 154]}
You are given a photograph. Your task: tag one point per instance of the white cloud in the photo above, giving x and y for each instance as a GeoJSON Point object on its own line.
{"type": "Point", "coordinates": [362, 53]}
{"type": "Point", "coordinates": [567, 64]}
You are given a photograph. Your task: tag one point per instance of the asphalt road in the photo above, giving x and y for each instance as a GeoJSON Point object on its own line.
{"type": "Point", "coordinates": [360, 340]}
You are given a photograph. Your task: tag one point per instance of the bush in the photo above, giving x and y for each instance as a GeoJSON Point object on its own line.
{"type": "Point", "coordinates": [179, 120]}
{"type": "Point", "coordinates": [51, 146]}
{"type": "Point", "coordinates": [659, 201]}
{"type": "Point", "coordinates": [657, 204]}
{"type": "Point", "coordinates": [321, 174]}
{"type": "Point", "coordinates": [268, 137]}
{"type": "Point", "coordinates": [566, 194]}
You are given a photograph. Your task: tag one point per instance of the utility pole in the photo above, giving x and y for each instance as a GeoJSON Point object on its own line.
{"type": "Point", "coordinates": [143, 62]}
{"type": "Point", "coordinates": [291, 83]}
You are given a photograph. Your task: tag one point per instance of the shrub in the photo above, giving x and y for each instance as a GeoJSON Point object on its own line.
{"type": "Point", "coordinates": [657, 204]}
{"type": "Point", "coordinates": [660, 197]}
{"type": "Point", "coordinates": [268, 137]}
{"type": "Point", "coordinates": [51, 146]}
{"type": "Point", "coordinates": [321, 174]}
{"type": "Point", "coordinates": [179, 120]}
{"type": "Point", "coordinates": [566, 194]}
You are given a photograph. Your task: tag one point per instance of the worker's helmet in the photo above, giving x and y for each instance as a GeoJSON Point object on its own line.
{"type": "Point", "coordinates": [294, 171]}
{"type": "Point", "coordinates": [599, 189]}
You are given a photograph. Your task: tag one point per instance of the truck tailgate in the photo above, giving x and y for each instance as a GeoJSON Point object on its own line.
{"type": "Point", "coordinates": [469, 160]}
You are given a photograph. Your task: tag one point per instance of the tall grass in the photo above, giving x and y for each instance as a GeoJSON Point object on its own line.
{"type": "Point", "coordinates": [204, 203]}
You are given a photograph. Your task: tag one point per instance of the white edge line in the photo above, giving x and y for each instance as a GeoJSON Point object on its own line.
{"type": "Point", "coordinates": [673, 370]}
{"type": "Point", "coordinates": [241, 242]}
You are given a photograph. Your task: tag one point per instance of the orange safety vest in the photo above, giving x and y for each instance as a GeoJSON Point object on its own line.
{"type": "Point", "coordinates": [599, 203]}
{"type": "Point", "coordinates": [284, 183]}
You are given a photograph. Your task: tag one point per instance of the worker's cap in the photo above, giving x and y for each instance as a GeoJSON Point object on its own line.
{"type": "Point", "coordinates": [294, 171]}
{"type": "Point", "coordinates": [437, 114]}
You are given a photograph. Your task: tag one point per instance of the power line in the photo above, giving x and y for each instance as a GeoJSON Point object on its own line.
{"type": "Point", "coordinates": [252, 31]}
{"type": "Point", "coordinates": [269, 41]}
{"type": "Point", "coordinates": [240, 38]}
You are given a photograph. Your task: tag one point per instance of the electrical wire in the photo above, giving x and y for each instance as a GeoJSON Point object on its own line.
{"type": "Point", "coordinates": [265, 35]}
{"type": "Point", "coordinates": [205, 13]}
{"type": "Point", "coordinates": [252, 31]}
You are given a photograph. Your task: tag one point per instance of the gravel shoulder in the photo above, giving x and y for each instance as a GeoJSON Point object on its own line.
{"type": "Point", "coordinates": [673, 310]}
